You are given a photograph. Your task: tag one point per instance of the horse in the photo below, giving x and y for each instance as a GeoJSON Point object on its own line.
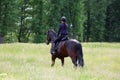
{"type": "Point", "coordinates": [69, 48]}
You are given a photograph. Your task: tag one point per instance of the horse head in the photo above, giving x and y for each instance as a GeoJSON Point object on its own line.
{"type": "Point", "coordinates": [51, 36]}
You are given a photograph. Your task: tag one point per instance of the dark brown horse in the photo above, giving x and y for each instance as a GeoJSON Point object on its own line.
{"type": "Point", "coordinates": [71, 48]}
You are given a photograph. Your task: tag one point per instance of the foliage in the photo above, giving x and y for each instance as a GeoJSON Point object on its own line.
{"type": "Point", "coordinates": [113, 22]}
{"type": "Point", "coordinates": [88, 20]}
{"type": "Point", "coordinates": [7, 17]}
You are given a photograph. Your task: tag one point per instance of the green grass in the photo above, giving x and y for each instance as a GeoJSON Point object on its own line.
{"type": "Point", "coordinates": [20, 61]}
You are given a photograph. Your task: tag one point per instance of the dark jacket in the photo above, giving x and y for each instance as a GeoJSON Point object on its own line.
{"type": "Point", "coordinates": [63, 29]}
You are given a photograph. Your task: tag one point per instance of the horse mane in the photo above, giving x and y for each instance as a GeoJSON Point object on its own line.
{"type": "Point", "coordinates": [51, 30]}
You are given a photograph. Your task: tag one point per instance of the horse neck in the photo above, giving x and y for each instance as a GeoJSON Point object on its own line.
{"type": "Point", "coordinates": [53, 37]}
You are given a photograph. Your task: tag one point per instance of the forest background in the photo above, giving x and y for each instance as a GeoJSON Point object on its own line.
{"type": "Point", "coordinates": [88, 20]}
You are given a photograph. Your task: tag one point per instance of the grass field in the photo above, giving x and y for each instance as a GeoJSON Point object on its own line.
{"type": "Point", "coordinates": [20, 61]}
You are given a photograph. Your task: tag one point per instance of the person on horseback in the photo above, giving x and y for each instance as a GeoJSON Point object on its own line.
{"type": "Point", "coordinates": [62, 32]}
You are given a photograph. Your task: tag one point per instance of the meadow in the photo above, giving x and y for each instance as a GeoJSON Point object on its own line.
{"type": "Point", "coordinates": [27, 61]}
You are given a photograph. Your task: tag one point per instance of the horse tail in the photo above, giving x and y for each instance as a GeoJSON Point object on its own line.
{"type": "Point", "coordinates": [80, 55]}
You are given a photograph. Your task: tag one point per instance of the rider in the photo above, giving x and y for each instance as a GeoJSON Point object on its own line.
{"type": "Point", "coordinates": [62, 32]}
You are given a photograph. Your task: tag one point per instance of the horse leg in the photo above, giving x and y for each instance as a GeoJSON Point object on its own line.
{"type": "Point", "coordinates": [73, 58]}
{"type": "Point", "coordinates": [62, 61]}
{"type": "Point", "coordinates": [74, 61]}
{"type": "Point", "coordinates": [53, 60]}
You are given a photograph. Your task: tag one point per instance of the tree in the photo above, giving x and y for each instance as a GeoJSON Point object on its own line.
{"type": "Point", "coordinates": [7, 19]}
{"type": "Point", "coordinates": [54, 14]}
{"type": "Point", "coordinates": [37, 22]}
{"type": "Point", "coordinates": [87, 23]}
{"type": "Point", "coordinates": [112, 28]}
{"type": "Point", "coordinates": [24, 19]}
{"type": "Point", "coordinates": [77, 18]}
{"type": "Point", "coordinates": [95, 24]}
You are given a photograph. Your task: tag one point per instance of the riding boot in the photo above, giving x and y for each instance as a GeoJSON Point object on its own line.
{"type": "Point", "coordinates": [56, 46]}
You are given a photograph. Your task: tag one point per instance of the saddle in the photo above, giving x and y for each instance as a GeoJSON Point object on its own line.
{"type": "Point", "coordinates": [54, 50]}
{"type": "Point", "coordinates": [63, 39]}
